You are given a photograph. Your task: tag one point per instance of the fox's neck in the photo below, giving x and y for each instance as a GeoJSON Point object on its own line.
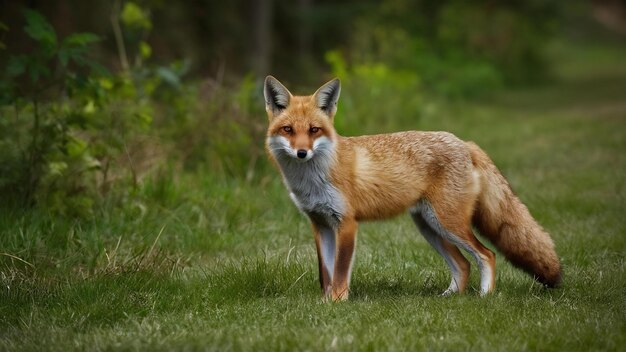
{"type": "Point", "coordinates": [310, 185]}
{"type": "Point", "coordinates": [303, 177]}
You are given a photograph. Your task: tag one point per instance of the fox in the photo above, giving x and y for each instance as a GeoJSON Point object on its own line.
{"type": "Point", "coordinates": [447, 185]}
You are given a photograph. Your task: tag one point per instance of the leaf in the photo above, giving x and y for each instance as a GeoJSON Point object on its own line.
{"type": "Point", "coordinates": [89, 108]}
{"type": "Point", "coordinates": [56, 168]}
{"type": "Point", "coordinates": [75, 46]}
{"type": "Point", "coordinates": [90, 162]}
{"type": "Point", "coordinates": [38, 28]}
{"type": "Point", "coordinates": [64, 56]}
{"type": "Point", "coordinates": [80, 39]}
{"type": "Point", "coordinates": [134, 16]}
{"type": "Point", "coordinates": [144, 118]}
{"type": "Point", "coordinates": [145, 49]}
{"type": "Point", "coordinates": [169, 76]}
{"type": "Point", "coordinates": [106, 83]}
{"type": "Point", "coordinates": [75, 146]}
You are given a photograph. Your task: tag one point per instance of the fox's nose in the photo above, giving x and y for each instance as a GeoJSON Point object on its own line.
{"type": "Point", "coordinates": [301, 153]}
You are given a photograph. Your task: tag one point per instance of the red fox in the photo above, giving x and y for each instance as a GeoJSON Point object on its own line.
{"type": "Point", "coordinates": [447, 185]}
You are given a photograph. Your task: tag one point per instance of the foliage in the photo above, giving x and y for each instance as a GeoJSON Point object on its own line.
{"type": "Point", "coordinates": [134, 16]}
{"type": "Point", "coordinates": [40, 144]}
{"type": "Point", "coordinates": [376, 98]}
{"type": "Point", "coordinates": [458, 48]}
{"type": "Point", "coordinates": [74, 133]}
{"type": "Point", "coordinates": [216, 126]}
{"type": "Point", "coordinates": [65, 120]}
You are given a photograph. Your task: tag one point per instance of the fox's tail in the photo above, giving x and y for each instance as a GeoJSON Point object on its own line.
{"type": "Point", "coordinates": [506, 222]}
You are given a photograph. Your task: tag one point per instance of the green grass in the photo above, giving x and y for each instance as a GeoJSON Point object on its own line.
{"type": "Point", "coordinates": [206, 263]}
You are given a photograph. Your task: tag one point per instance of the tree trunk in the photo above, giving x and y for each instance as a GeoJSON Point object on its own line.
{"type": "Point", "coordinates": [262, 55]}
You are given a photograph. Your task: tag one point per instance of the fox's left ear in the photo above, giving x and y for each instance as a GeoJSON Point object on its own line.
{"type": "Point", "coordinates": [326, 97]}
{"type": "Point", "coordinates": [277, 97]}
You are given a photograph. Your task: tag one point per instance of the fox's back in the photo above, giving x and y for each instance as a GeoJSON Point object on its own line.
{"type": "Point", "coordinates": [386, 173]}
{"type": "Point", "coordinates": [414, 146]}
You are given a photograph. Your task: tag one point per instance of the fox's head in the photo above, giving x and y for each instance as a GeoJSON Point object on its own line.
{"type": "Point", "coordinates": [300, 127]}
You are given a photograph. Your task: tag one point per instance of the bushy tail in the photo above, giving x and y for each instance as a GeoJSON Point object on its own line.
{"type": "Point", "coordinates": [506, 222]}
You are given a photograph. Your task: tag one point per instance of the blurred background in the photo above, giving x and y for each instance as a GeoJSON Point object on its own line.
{"type": "Point", "coordinates": [106, 101]}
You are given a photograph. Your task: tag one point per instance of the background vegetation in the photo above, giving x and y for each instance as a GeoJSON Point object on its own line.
{"type": "Point", "coordinates": [138, 210]}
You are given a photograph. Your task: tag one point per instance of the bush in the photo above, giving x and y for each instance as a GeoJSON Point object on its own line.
{"type": "Point", "coordinates": [375, 97]}
{"type": "Point", "coordinates": [66, 119]}
{"type": "Point", "coordinates": [458, 48]}
{"type": "Point", "coordinates": [72, 132]}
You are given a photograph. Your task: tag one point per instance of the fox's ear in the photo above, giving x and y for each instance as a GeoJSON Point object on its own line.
{"type": "Point", "coordinates": [277, 97]}
{"type": "Point", "coordinates": [326, 97]}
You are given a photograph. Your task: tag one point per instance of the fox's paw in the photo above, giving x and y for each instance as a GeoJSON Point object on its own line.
{"type": "Point", "coordinates": [484, 293]}
{"type": "Point", "coordinates": [447, 293]}
{"type": "Point", "coordinates": [339, 295]}
{"type": "Point", "coordinates": [327, 293]}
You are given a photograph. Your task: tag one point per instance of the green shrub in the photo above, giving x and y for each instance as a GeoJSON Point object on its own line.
{"type": "Point", "coordinates": [376, 98]}
{"type": "Point", "coordinates": [65, 118]}
{"type": "Point", "coordinates": [458, 48]}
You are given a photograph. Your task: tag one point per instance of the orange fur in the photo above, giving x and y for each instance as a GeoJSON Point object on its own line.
{"type": "Point", "coordinates": [506, 222]}
{"type": "Point", "coordinates": [448, 184]}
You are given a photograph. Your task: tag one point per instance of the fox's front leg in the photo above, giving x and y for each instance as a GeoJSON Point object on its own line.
{"type": "Point", "coordinates": [325, 244]}
{"type": "Point", "coordinates": [346, 242]}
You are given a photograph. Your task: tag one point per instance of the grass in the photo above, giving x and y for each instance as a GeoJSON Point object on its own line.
{"type": "Point", "coordinates": [219, 264]}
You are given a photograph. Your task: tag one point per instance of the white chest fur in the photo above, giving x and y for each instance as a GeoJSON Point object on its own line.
{"type": "Point", "coordinates": [309, 182]}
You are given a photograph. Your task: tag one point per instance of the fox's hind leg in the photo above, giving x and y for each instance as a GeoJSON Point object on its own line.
{"type": "Point", "coordinates": [455, 226]}
{"type": "Point", "coordinates": [459, 266]}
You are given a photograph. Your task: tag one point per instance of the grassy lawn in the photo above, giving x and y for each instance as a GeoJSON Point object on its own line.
{"type": "Point", "coordinates": [221, 264]}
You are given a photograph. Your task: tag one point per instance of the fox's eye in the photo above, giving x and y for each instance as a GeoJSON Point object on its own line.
{"type": "Point", "coordinates": [288, 129]}
{"type": "Point", "coordinates": [314, 129]}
